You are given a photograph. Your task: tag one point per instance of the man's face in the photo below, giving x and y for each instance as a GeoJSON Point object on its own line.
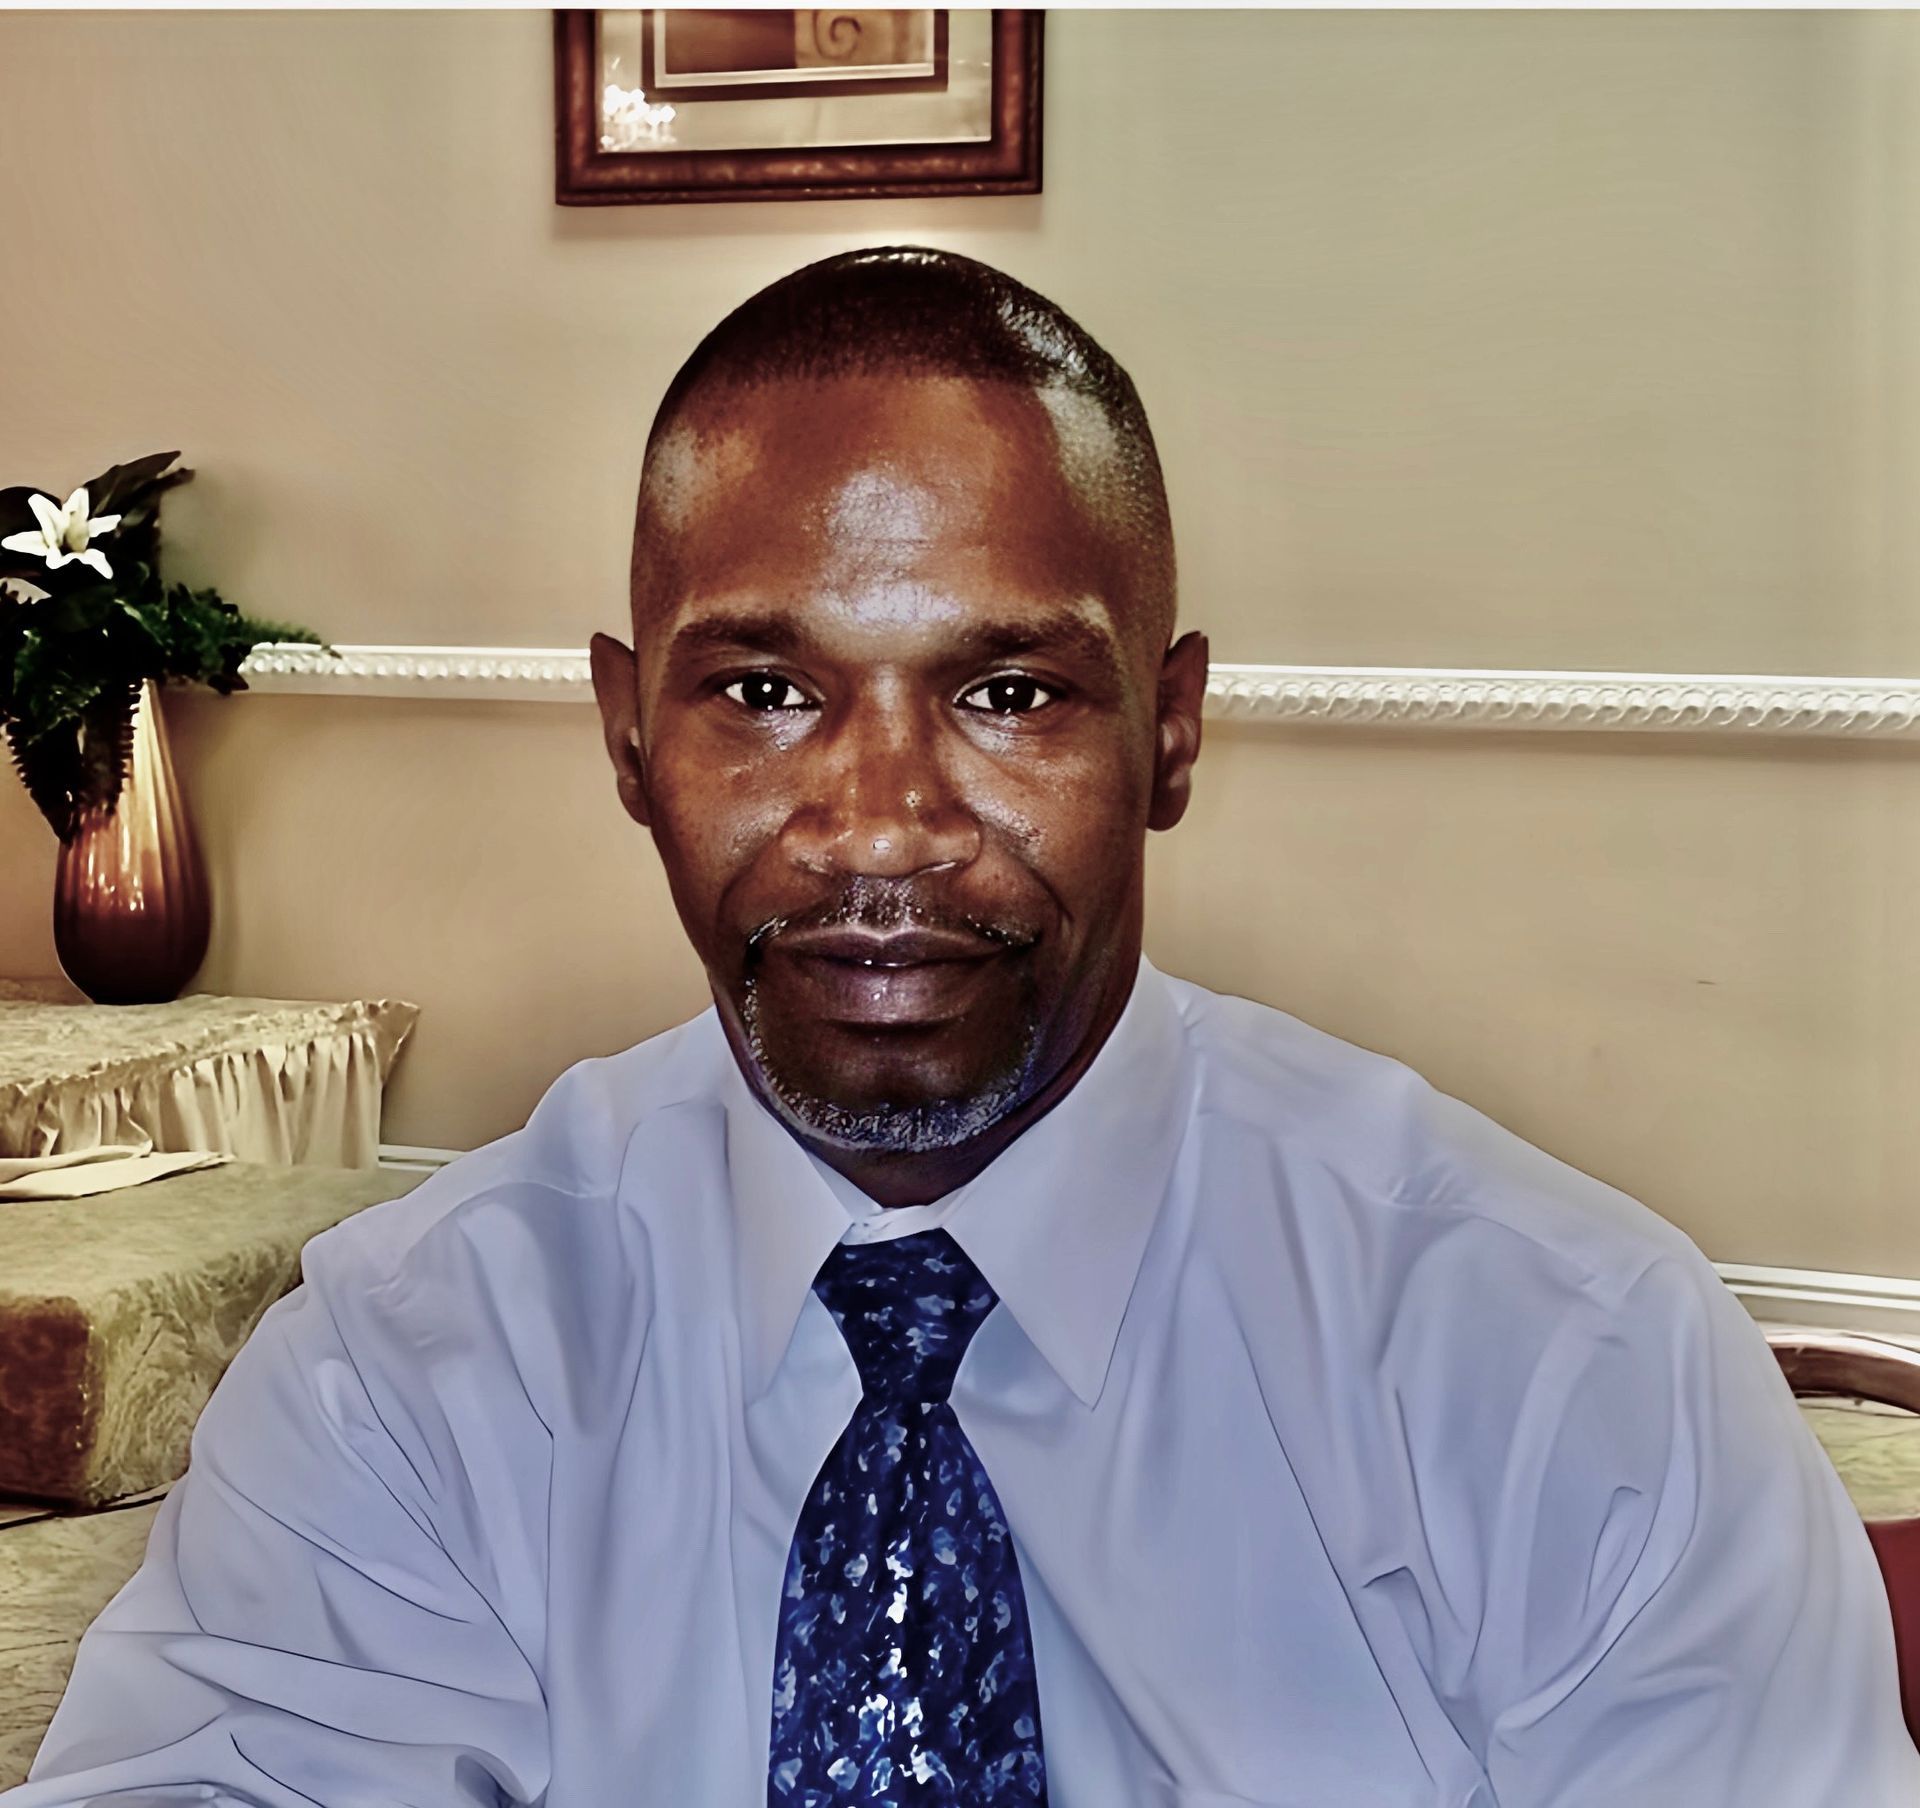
{"type": "Point", "coordinates": [895, 722]}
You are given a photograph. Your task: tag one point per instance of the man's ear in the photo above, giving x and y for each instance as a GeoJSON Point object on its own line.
{"type": "Point", "coordinates": [615, 685]}
{"type": "Point", "coordinates": [1183, 693]}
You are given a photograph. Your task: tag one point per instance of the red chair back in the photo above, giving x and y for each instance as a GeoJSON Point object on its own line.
{"type": "Point", "coordinates": [1870, 1368]}
{"type": "Point", "coordinates": [1896, 1542]}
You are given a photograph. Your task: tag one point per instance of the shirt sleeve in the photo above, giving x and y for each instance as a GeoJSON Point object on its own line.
{"type": "Point", "coordinates": [1686, 1611]}
{"type": "Point", "coordinates": [299, 1632]}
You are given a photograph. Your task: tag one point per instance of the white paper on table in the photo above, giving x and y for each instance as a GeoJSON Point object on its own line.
{"type": "Point", "coordinates": [105, 1168]}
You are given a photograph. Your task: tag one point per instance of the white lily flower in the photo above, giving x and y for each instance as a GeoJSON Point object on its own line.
{"type": "Point", "coordinates": [64, 533]}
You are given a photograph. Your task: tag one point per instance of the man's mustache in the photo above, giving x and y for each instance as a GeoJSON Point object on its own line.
{"type": "Point", "coordinates": [881, 905]}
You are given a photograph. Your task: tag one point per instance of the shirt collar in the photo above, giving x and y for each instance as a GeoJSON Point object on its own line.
{"type": "Point", "coordinates": [1057, 1223]}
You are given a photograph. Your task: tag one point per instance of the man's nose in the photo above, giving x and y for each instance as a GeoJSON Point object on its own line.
{"type": "Point", "coordinates": [884, 803]}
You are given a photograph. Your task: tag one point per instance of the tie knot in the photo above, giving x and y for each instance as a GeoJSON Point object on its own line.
{"type": "Point", "coordinates": [908, 1307]}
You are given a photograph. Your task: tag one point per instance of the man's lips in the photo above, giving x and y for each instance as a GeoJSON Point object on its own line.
{"type": "Point", "coordinates": [910, 947]}
{"type": "Point", "coordinates": [893, 979]}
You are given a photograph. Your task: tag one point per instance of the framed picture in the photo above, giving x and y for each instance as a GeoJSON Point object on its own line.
{"type": "Point", "coordinates": [680, 104]}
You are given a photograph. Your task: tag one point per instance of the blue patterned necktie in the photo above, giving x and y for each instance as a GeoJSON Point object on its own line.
{"type": "Point", "coordinates": [904, 1670]}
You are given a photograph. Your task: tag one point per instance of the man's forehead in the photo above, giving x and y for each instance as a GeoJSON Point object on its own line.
{"type": "Point", "coordinates": [881, 506]}
{"type": "Point", "coordinates": [804, 480]}
{"type": "Point", "coordinates": [859, 448]}
{"type": "Point", "coordinates": [689, 462]}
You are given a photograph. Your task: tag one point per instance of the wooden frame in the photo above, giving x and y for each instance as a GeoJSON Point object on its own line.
{"type": "Point", "coordinates": [1007, 163]}
{"type": "Point", "coordinates": [1849, 1364]}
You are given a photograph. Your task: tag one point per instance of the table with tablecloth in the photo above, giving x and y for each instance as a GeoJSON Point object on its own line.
{"type": "Point", "coordinates": [118, 1314]}
{"type": "Point", "coordinates": [285, 1081]}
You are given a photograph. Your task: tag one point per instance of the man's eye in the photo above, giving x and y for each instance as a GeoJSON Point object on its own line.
{"type": "Point", "coordinates": [1013, 695]}
{"type": "Point", "coordinates": [766, 691]}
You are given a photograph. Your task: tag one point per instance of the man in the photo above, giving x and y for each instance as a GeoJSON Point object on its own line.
{"type": "Point", "coordinates": [967, 1365]}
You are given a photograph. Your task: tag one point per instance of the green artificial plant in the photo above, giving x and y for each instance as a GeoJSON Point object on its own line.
{"type": "Point", "coordinates": [85, 619]}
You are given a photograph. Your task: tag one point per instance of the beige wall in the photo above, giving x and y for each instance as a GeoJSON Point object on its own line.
{"type": "Point", "coordinates": [1525, 339]}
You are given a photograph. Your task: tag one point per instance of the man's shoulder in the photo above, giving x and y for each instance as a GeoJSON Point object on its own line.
{"type": "Point", "coordinates": [1469, 1283]}
{"type": "Point", "coordinates": [544, 1182]}
{"type": "Point", "coordinates": [477, 1311]}
{"type": "Point", "coordinates": [1361, 1138]}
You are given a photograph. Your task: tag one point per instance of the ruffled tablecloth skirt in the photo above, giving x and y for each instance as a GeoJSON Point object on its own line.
{"type": "Point", "coordinates": [262, 1079]}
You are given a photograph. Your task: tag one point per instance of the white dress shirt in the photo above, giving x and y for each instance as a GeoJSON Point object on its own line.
{"type": "Point", "coordinates": [1356, 1455]}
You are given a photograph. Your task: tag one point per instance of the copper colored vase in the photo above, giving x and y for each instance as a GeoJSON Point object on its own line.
{"type": "Point", "coordinates": [131, 913]}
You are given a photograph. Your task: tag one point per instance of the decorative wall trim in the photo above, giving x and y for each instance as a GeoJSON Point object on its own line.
{"type": "Point", "coordinates": [1397, 697]}
{"type": "Point", "coordinates": [490, 674]}
{"type": "Point", "coordinates": [1656, 702]}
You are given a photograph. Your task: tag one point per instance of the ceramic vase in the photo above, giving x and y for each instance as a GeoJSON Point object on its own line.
{"type": "Point", "coordinates": [131, 912]}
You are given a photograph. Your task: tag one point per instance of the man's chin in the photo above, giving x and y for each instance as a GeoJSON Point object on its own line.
{"type": "Point", "coordinates": [890, 1129]}
{"type": "Point", "coordinates": [885, 1095]}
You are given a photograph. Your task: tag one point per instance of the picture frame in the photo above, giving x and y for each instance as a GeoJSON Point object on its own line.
{"type": "Point", "coordinates": [794, 106]}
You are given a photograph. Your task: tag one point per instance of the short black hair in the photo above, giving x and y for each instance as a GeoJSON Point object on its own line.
{"type": "Point", "coordinates": [915, 311]}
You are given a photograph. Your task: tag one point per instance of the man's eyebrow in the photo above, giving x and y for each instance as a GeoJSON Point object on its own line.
{"type": "Point", "coordinates": [1065, 630]}
{"type": "Point", "coordinates": [1068, 630]}
{"type": "Point", "coordinates": [773, 634]}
